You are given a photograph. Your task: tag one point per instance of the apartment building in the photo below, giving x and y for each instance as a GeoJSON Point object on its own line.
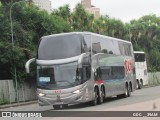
{"type": "Point", "coordinates": [43, 4]}
{"type": "Point", "coordinates": [91, 9]}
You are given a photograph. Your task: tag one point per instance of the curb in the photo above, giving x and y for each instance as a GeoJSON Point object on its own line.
{"type": "Point", "coordinates": [17, 104]}
{"type": "Point", "coordinates": [148, 86]}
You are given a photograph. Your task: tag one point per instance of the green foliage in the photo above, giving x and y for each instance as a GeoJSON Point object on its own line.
{"type": "Point", "coordinates": [30, 24]}
{"type": "Point", "coordinates": [145, 36]}
{"type": "Point", "coordinates": [6, 2]}
{"type": "Point", "coordinates": [81, 20]}
{"type": "Point", "coordinates": [63, 12]}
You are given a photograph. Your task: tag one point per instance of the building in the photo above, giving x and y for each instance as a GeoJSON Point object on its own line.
{"type": "Point", "coordinates": [90, 8]}
{"type": "Point", "coordinates": [43, 4]}
{"type": "Point", "coordinates": [94, 11]}
{"type": "Point", "coordinates": [86, 3]}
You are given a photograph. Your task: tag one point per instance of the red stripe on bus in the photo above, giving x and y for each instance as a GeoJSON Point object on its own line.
{"type": "Point", "coordinates": [99, 81]}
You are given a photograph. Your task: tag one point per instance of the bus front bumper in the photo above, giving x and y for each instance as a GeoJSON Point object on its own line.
{"type": "Point", "coordinates": [60, 99]}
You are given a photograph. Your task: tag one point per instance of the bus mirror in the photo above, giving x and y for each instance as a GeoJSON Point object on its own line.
{"type": "Point", "coordinates": [28, 64]}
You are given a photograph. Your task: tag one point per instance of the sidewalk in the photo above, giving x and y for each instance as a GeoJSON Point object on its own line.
{"type": "Point", "coordinates": [152, 105]}
{"type": "Point", "coordinates": [17, 104]}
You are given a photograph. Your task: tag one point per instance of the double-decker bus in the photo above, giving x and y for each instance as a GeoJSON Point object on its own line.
{"type": "Point", "coordinates": [80, 67]}
{"type": "Point", "coordinates": [141, 69]}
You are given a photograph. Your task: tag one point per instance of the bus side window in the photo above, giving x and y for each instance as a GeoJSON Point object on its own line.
{"type": "Point", "coordinates": [97, 74]}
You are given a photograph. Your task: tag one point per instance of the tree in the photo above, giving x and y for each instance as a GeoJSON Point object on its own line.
{"type": "Point", "coordinates": [6, 2]}
{"type": "Point", "coordinates": [81, 20]}
{"type": "Point", "coordinates": [145, 36]}
{"type": "Point", "coordinates": [63, 12]}
{"type": "Point", "coordinates": [29, 25]}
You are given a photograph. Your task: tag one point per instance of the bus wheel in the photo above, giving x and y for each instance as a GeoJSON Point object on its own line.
{"type": "Point", "coordinates": [140, 84]}
{"type": "Point", "coordinates": [137, 84]}
{"type": "Point", "coordinates": [126, 92]}
{"type": "Point", "coordinates": [129, 91]}
{"type": "Point", "coordinates": [94, 102]}
{"type": "Point", "coordinates": [101, 96]}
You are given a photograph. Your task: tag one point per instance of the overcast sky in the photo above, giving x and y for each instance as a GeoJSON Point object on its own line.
{"type": "Point", "coordinates": [125, 10]}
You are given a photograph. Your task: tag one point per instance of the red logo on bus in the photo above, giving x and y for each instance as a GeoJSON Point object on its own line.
{"type": "Point", "coordinates": [128, 66]}
{"type": "Point", "coordinates": [57, 91]}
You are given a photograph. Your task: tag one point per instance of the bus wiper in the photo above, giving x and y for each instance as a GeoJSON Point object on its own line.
{"type": "Point", "coordinates": [66, 81]}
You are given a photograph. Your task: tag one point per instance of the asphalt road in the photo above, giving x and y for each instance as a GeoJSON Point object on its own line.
{"type": "Point", "coordinates": [150, 96]}
{"type": "Point", "coordinates": [144, 99]}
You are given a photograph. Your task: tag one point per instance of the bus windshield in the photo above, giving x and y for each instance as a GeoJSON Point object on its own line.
{"type": "Point", "coordinates": [139, 57]}
{"type": "Point", "coordinates": [58, 76]}
{"type": "Point", "coordinates": [59, 47]}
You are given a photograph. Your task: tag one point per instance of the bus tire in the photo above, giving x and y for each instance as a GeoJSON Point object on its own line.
{"type": "Point", "coordinates": [129, 90]}
{"type": "Point", "coordinates": [125, 94]}
{"type": "Point", "coordinates": [95, 101]}
{"type": "Point", "coordinates": [101, 96]}
{"type": "Point", "coordinates": [139, 84]}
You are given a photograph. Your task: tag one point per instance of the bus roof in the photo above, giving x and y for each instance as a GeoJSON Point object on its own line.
{"type": "Point", "coordinates": [71, 33]}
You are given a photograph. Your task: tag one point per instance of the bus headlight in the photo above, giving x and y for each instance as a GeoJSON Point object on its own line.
{"type": "Point", "coordinates": [77, 92]}
{"type": "Point", "coordinates": [41, 94]}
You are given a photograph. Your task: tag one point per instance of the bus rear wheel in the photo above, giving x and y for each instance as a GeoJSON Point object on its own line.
{"type": "Point", "coordinates": [101, 96]}
{"type": "Point", "coordinates": [129, 90]}
{"type": "Point", "coordinates": [95, 101]}
{"type": "Point", "coordinates": [126, 94]}
{"type": "Point", "coordinates": [139, 84]}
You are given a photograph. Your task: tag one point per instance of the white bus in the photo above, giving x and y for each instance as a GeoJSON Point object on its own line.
{"type": "Point", "coordinates": [79, 67]}
{"type": "Point", "coordinates": [141, 69]}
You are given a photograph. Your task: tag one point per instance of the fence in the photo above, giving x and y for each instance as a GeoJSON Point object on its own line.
{"type": "Point", "coordinates": [153, 78]}
{"type": "Point", "coordinates": [8, 94]}
{"type": "Point", "coordinates": [27, 90]}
